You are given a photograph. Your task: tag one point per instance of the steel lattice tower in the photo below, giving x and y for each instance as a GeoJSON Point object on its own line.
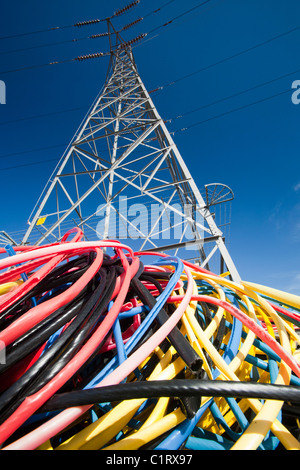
{"type": "Point", "coordinates": [122, 177]}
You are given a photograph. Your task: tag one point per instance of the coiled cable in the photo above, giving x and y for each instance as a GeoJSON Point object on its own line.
{"type": "Point", "coordinates": [117, 354]}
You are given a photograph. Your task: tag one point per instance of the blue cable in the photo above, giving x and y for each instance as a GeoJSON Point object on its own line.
{"type": "Point", "coordinates": [143, 328]}
{"type": "Point", "coordinates": [122, 356]}
{"type": "Point", "coordinates": [206, 440]}
{"type": "Point", "coordinates": [133, 341]}
{"type": "Point", "coordinates": [183, 431]}
{"type": "Point", "coordinates": [180, 434]}
{"type": "Point", "coordinates": [50, 293]}
{"type": "Point", "coordinates": [11, 252]}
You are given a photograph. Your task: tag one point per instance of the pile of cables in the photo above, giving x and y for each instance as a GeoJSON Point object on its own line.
{"type": "Point", "coordinates": [104, 348]}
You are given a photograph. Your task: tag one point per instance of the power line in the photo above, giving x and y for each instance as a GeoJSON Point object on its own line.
{"type": "Point", "coordinates": [85, 23]}
{"type": "Point", "coordinates": [38, 116]}
{"type": "Point", "coordinates": [100, 54]}
{"type": "Point", "coordinates": [172, 132]}
{"type": "Point", "coordinates": [159, 9]}
{"type": "Point", "coordinates": [32, 150]}
{"type": "Point", "coordinates": [200, 70]}
{"type": "Point", "coordinates": [38, 66]}
{"type": "Point", "coordinates": [55, 28]}
{"type": "Point", "coordinates": [68, 41]}
{"type": "Point", "coordinates": [51, 44]}
{"type": "Point", "coordinates": [28, 164]}
{"type": "Point", "coordinates": [76, 59]}
{"type": "Point", "coordinates": [244, 51]}
{"type": "Point", "coordinates": [255, 87]}
{"type": "Point", "coordinates": [180, 16]}
{"type": "Point", "coordinates": [159, 89]}
{"type": "Point", "coordinates": [79, 24]}
{"type": "Point", "coordinates": [226, 113]}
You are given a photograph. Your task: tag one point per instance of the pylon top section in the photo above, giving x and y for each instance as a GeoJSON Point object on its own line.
{"type": "Point", "coordinates": [123, 177]}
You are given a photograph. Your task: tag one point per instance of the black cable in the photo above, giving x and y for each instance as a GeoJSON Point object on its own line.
{"type": "Point", "coordinates": [21, 307]}
{"type": "Point", "coordinates": [41, 333]}
{"type": "Point", "coordinates": [290, 410]}
{"type": "Point", "coordinates": [189, 404]}
{"type": "Point", "coordinates": [103, 297]}
{"type": "Point", "coordinates": [181, 344]}
{"type": "Point", "coordinates": [173, 388]}
{"type": "Point", "coordinates": [91, 366]}
{"type": "Point", "coordinates": [218, 340]}
{"type": "Point", "coordinates": [152, 362]}
{"type": "Point", "coordinates": [55, 278]}
{"type": "Point", "coordinates": [55, 357]}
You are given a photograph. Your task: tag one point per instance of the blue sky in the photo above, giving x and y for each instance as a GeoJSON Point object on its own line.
{"type": "Point", "coordinates": [249, 142]}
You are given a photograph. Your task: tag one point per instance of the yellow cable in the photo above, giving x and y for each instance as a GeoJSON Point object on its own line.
{"type": "Point", "coordinates": [143, 436]}
{"type": "Point", "coordinates": [268, 412]}
{"type": "Point", "coordinates": [8, 286]}
{"type": "Point", "coordinates": [102, 433]}
{"type": "Point", "coordinates": [105, 428]}
{"type": "Point", "coordinates": [283, 297]}
{"type": "Point", "coordinates": [158, 412]}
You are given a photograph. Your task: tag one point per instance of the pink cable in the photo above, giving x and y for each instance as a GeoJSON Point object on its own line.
{"type": "Point", "coordinates": [186, 263]}
{"type": "Point", "coordinates": [37, 437]}
{"type": "Point", "coordinates": [73, 249]}
{"type": "Point", "coordinates": [292, 314]}
{"type": "Point", "coordinates": [35, 278]}
{"type": "Point", "coordinates": [32, 281]}
{"type": "Point", "coordinates": [35, 401]}
{"type": "Point", "coordinates": [39, 312]}
{"type": "Point", "coordinates": [249, 323]}
{"type": "Point", "coordinates": [14, 273]}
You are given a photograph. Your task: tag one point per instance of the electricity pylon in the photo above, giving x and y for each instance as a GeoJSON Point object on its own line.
{"type": "Point", "coordinates": [122, 177]}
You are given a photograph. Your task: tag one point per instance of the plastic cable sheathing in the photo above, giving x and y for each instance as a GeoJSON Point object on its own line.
{"type": "Point", "coordinates": [182, 346]}
{"type": "Point", "coordinates": [174, 388]}
{"type": "Point", "coordinates": [53, 426]}
{"type": "Point", "coordinates": [34, 402]}
{"type": "Point", "coordinates": [40, 311]}
{"type": "Point", "coordinates": [259, 331]}
{"type": "Point", "coordinates": [48, 366]}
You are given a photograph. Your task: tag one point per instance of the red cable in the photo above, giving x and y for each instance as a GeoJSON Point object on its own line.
{"type": "Point", "coordinates": [186, 263]}
{"type": "Point", "coordinates": [36, 277]}
{"type": "Point", "coordinates": [58, 423]}
{"type": "Point", "coordinates": [9, 377]}
{"type": "Point", "coordinates": [41, 311]}
{"type": "Point", "coordinates": [249, 323]}
{"type": "Point", "coordinates": [35, 401]}
{"type": "Point", "coordinates": [14, 273]}
{"type": "Point", "coordinates": [293, 315]}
